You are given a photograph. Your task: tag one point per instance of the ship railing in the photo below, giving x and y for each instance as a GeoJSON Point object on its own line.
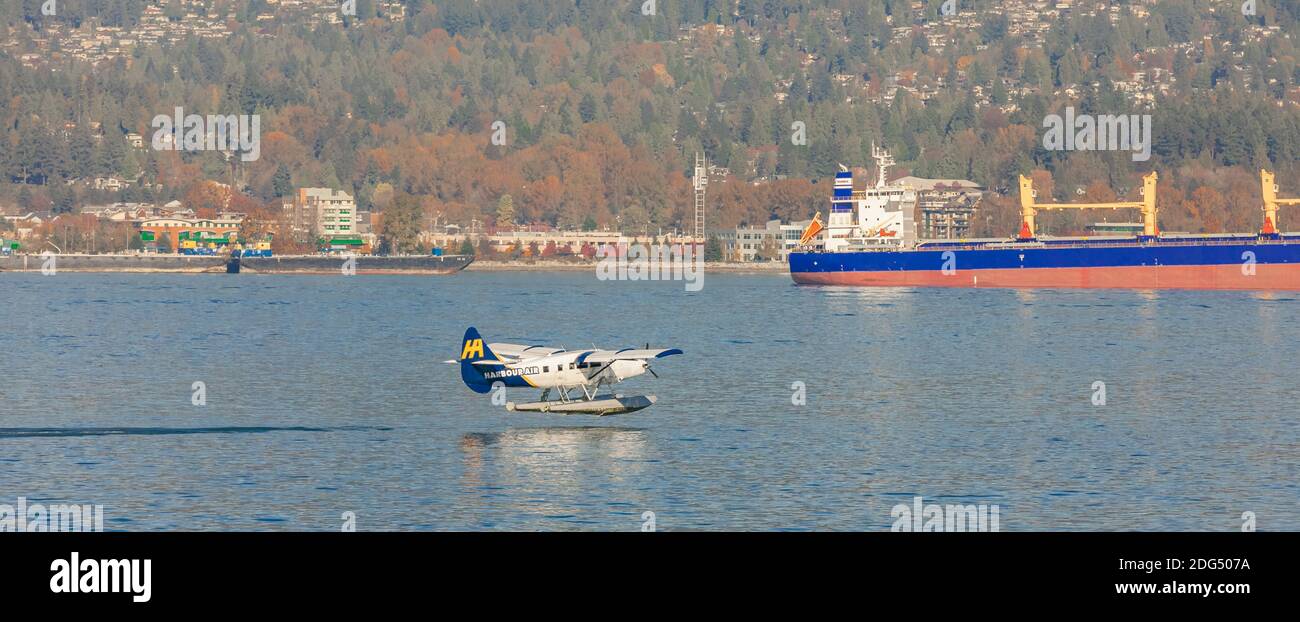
{"type": "Point", "coordinates": [1011, 245]}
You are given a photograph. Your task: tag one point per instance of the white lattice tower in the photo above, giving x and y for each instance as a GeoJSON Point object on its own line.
{"type": "Point", "coordinates": [701, 181]}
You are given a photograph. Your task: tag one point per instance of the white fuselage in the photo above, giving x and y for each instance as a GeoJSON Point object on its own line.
{"type": "Point", "coordinates": [561, 370]}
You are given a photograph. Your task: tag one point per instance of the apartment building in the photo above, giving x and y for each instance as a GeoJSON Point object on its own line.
{"type": "Point", "coordinates": [325, 212]}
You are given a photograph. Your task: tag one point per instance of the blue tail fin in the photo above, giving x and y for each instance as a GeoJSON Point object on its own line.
{"type": "Point", "coordinates": [473, 349]}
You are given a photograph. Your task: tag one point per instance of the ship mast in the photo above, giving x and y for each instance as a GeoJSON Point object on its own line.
{"type": "Point", "coordinates": [883, 161]}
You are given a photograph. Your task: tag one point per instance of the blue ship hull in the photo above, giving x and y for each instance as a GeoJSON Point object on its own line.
{"type": "Point", "coordinates": [1228, 262]}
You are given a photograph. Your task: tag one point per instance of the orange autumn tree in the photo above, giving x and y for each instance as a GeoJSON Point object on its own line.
{"type": "Point", "coordinates": [207, 198]}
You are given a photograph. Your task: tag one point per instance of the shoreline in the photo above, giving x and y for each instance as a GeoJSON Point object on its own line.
{"type": "Point", "coordinates": [189, 264]}
{"type": "Point", "coordinates": [206, 264]}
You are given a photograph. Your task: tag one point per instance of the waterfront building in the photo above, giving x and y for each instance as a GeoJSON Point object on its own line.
{"type": "Point", "coordinates": [771, 242]}
{"type": "Point", "coordinates": [945, 207]}
{"type": "Point", "coordinates": [174, 229]}
{"type": "Point", "coordinates": [325, 213]}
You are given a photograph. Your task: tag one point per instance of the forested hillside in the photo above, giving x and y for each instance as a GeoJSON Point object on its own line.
{"type": "Point", "coordinates": [602, 106]}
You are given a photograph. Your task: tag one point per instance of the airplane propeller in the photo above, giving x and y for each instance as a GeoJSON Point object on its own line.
{"type": "Point", "coordinates": [647, 365]}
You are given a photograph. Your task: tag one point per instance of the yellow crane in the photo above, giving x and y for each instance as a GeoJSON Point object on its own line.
{"type": "Point", "coordinates": [1028, 208]}
{"type": "Point", "coordinates": [1271, 202]}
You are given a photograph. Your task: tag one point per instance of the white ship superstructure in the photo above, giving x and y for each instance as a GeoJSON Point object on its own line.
{"type": "Point", "coordinates": [877, 217]}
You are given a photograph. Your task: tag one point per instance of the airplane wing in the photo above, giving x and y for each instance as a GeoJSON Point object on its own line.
{"type": "Point", "coordinates": [629, 354]}
{"type": "Point", "coordinates": [513, 352]}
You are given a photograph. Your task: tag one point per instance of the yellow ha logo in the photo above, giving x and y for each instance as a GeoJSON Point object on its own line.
{"type": "Point", "coordinates": [473, 348]}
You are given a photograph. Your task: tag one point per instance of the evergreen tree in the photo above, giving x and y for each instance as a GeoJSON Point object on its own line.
{"type": "Point", "coordinates": [505, 211]}
{"type": "Point", "coordinates": [282, 182]}
{"type": "Point", "coordinates": [587, 109]}
{"type": "Point", "coordinates": [713, 249]}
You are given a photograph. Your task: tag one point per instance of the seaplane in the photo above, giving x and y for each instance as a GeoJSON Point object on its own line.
{"type": "Point", "coordinates": [575, 375]}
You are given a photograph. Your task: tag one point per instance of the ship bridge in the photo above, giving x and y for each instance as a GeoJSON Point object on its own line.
{"type": "Point", "coordinates": [879, 216]}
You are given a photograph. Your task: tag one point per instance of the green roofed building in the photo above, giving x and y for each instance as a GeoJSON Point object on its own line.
{"type": "Point", "coordinates": [357, 242]}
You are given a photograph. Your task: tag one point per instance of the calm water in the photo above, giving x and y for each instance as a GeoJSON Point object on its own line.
{"type": "Point", "coordinates": [328, 395]}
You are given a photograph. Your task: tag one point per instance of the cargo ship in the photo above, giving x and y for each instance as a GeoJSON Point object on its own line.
{"type": "Point", "coordinates": [869, 239]}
